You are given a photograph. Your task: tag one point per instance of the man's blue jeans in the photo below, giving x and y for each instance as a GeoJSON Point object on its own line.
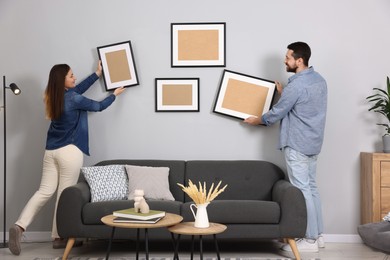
{"type": "Point", "coordinates": [301, 171]}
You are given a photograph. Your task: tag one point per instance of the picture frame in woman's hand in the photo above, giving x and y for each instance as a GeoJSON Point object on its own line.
{"type": "Point", "coordinates": [118, 65]}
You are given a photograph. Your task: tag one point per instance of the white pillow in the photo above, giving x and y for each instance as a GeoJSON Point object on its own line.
{"type": "Point", "coordinates": [106, 182]}
{"type": "Point", "coordinates": [153, 180]}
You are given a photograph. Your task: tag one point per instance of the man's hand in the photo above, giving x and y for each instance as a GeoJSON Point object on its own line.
{"type": "Point", "coordinates": [279, 87]}
{"type": "Point", "coordinates": [253, 120]}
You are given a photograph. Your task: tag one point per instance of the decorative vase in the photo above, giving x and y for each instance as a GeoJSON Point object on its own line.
{"type": "Point", "coordinates": [386, 143]}
{"type": "Point", "coordinates": [201, 217]}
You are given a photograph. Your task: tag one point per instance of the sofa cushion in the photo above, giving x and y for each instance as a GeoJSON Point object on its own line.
{"type": "Point", "coordinates": [246, 180]}
{"type": "Point", "coordinates": [176, 171]}
{"type": "Point", "coordinates": [152, 180]}
{"type": "Point", "coordinates": [93, 212]}
{"type": "Point", "coordinates": [238, 212]}
{"type": "Point", "coordinates": [106, 182]}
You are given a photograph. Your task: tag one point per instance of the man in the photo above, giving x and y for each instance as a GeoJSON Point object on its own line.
{"type": "Point", "coordinates": [302, 111]}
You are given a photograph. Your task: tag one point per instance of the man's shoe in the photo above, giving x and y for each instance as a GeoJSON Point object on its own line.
{"type": "Point", "coordinates": [59, 243]}
{"type": "Point", "coordinates": [321, 241]}
{"type": "Point", "coordinates": [15, 235]}
{"type": "Point", "coordinates": [303, 245]}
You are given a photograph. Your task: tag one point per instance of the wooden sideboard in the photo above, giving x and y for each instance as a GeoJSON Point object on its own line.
{"type": "Point", "coordinates": [375, 186]}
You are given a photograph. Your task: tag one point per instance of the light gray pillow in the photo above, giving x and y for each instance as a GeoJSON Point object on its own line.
{"type": "Point", "coordinates": [107, 182]}
{"type": "Point", "coordinates": [153, 180]}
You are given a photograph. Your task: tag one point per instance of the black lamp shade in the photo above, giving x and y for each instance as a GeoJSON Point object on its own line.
{"type": "Point", "coordinates": [15, 89]}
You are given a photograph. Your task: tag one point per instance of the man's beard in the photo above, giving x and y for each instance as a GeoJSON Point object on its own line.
{"type": "Point", "coordinates": [291, 69]}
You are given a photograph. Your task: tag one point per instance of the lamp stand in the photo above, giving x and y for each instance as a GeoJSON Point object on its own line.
{"type": "Point", "coordinates": [4, 244]}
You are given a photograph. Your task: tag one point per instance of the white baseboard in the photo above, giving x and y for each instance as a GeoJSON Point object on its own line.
{"type": "Point", "coordinates": [37, 237]}
{"type": "Point", "coordinates": [329, 238]}
{"type": "Point", "coordinates": [342, 238]}
{"type": "Point", "coordinates": [33, 236]}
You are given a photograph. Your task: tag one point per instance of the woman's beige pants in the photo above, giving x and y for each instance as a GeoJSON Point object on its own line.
{"type": "Point", "coordinates": [61, 168]}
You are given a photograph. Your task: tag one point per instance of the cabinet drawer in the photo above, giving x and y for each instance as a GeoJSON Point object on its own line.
{"type": "Point", "coordinates": [385, 200]}
{"type": "Point", "coordinates": [385, 174]}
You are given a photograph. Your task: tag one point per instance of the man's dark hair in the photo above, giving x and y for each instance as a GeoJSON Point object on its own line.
{"type": "Point", "coordinates": [300, 50]}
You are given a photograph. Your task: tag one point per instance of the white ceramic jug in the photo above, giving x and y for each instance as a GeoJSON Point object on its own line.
{"type": "Point", "coordinates": [201, 217]}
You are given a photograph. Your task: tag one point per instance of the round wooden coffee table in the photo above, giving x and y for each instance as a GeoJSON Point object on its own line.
{"type": "Point", "coordinates": [169, 220]}
{"type": "Point", "coordinates": [188, 228]}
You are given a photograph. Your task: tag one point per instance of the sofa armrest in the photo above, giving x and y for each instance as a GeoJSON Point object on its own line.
{"type": "Point", "coordinates": [69, 210]}
{"type": "Point", "coordinates": [293, 217]}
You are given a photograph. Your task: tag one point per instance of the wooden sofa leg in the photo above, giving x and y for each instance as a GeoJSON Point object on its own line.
{"type": "Point", "coordinates": [294, 248]}
{"type": "Point", "coordinates": [68, 248]}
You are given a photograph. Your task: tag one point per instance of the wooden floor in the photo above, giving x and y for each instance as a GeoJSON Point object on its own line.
{"type": "Point", "coordinates": [248, 249]}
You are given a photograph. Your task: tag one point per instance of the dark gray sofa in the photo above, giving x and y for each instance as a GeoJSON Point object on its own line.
{"type": "Point", "coordinates": [258, 203]}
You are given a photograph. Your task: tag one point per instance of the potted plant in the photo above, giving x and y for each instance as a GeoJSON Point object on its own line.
{"type": "Point", "coordinates": [381, 104]}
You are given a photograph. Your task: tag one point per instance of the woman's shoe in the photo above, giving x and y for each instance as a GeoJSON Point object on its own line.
{"type": "Point", "coordinates": [15, 235]}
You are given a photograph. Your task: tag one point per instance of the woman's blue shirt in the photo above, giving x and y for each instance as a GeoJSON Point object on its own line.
{"type": "Point", "coordinates": [72, 127]}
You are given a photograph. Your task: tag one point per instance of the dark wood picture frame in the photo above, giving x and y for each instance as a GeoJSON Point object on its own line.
{"type": "Point", "coordinates": [177, 94]}
{"type": "Point", "coordinates": [118, 65]}
{"type": "Point", "coordinates": [198, 44]}
{"type": "Point", "coordinates": [241, 96]}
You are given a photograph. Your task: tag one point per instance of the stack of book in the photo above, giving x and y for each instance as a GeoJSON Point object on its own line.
{"type": "Point", "coordinates": [131, 216]}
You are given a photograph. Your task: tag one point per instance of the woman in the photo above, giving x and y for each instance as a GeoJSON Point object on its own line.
{"type": "Point", "coordinates": [67, 140]}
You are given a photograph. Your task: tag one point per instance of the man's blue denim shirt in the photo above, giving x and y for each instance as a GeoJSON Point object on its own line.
{"type": "Point", "coordinates": [72, 127]}
{"type": "Point", "coordinates": [302, 111]}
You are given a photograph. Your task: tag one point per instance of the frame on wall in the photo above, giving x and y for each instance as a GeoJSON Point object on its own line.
{"type": "Point", "coordinates": [118, 65]}
{"type": "Point", "coordinates": [241, 96]}
{"type": "Point", "coordinates": [198, 44]}
{"type": "Point", "coordinates": [177, 94]}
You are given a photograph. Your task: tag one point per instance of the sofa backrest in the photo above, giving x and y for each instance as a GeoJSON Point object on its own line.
{"type": "Point", "coordinates": [246, 180]}
{"type": "Point", "coordinates": [176, 171]}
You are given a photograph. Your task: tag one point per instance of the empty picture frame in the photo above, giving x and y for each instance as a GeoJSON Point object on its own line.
{"type": "Point", "coordinates": [177, 94]}
{"type": "Point", "coordinates": [118, 65]}
{"type": "Point", "coordinates": [242, 96]}
{"type": "Point", "coordinates": [198, 44]}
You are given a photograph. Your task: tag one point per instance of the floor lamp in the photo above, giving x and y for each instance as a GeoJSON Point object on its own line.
{"type": "Point", "coordinates": [16, 91]}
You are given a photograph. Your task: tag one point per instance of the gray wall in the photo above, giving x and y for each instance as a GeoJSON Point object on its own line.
{"type": "Point", "coordinates": [349, 41]}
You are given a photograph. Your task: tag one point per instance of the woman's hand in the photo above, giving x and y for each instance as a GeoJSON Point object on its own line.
{"type": "Point", "coordinates": [119, 91]}
{"type": "Point", "coordinates": [99, 69]}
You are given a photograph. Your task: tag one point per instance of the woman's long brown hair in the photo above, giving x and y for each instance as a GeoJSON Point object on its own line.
{"type": "Point", "coordinates": [55, 91]}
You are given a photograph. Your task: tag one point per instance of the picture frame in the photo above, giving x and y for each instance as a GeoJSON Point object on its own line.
{"type": "Point", "coordinates": [241, 96]}
{"type": "Point", "coordinates": [118, 65]}
{"type": "Point", "coordinates": [198, 44]}
{"type": "Point", "coordinates": [177, 94]}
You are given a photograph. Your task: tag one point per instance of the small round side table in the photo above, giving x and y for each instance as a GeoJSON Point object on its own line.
{"type": "Point", "coordinates": [188, 228]}
{"type": "Point", "coordinates": [169, 220]}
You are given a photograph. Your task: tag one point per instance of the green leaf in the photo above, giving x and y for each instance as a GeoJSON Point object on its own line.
{"type": "Point", "coordinates": [381, 103]}
{"type": "Point", "coordinates": [388, 85]}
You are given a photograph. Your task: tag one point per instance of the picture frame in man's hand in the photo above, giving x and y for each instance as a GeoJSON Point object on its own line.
{"type": "Point", "coordinates": [241, 96]}
{"type": "Point", "coordinates": [118, 65]}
